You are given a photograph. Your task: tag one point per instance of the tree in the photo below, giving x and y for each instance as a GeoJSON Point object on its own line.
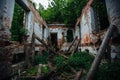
{"type": "Point", "coordinates": [17, 23]}
{"type": "Point", "coordinates": [63, 11]}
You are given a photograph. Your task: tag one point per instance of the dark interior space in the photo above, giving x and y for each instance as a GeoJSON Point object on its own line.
{"type": "Point", "coordinates": [54, 39]}
{"type": "Point", "coordinates": [100, 9]}
{"type": "Point", "coordinates": [18, 58]}
{"type": "Point", "coordinates": [69, 36]}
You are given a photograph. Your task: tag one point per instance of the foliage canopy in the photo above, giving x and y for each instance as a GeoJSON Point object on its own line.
{"type": "Point", "coordinates": [67, 11]}
{"type": "Point", "coordinates": [63, 11]}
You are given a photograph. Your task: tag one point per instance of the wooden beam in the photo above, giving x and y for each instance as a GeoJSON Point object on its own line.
{"type": "Point", "coordinates": [44, 44]}
{"type": "Point", "coordinates": [71, 45]}
{"type": "Point", "coordinates": [78, 75]}
{"type": "Point", "coordinates": [76, 47]}
{"type": "Point", "coordinates": [33, 47]}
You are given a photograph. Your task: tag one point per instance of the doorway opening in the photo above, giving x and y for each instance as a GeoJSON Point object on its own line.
{"type": "Point", "coordinates": [69, 36]}
{"type": "Point", "coordinates": [54, 39]}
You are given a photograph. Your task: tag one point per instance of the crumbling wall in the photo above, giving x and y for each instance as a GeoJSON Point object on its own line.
{"type": "Point", "coordinates": [6, 14]}
{"type": "Point", "coordinates": [35, 24]}
{"type": "Point", "coordinates": [61, 33]}
{"type": "Point", "coordinates": [87, 28]}
{"type": "Point", "coordinates": [31, 21]}
{"type": "Point", "coordinates": [113, 9]}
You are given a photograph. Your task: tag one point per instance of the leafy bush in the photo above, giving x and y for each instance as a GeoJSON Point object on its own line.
{"type": "Point", "coordinates": [44, 69]}
{"type": "Point", "coordinates": [80, 60]}
{"type": "Point", "coordinates": [108, 71]}
{"type": "Point", "coordinates": [59, 61]}
{"type": "Point", "coordinates": [41, 59]}
{"type": "Point", "coordinates": [32, 71]}
{"type": "Point", "coordinates": [17, 23]}
{"type": "Point", "coordinates": [77, 61]}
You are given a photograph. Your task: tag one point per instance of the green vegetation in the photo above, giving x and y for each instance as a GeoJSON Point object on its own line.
{"type": "Point", "coordinates": [23, 31]}
{"type": "Point", "coordinates": [44, 69]}
{"type": "Point", "coordinates": [41, 59]}
{"type": "Point", "coordinates": [67, 11]}
{"type": "Point", "coordinates": [77, 60]}
{"type": "Point", "coordinates": [32, 71]}
{"type": "Point", "coordinates": [63, 11]}
{"type": "Point", "coordinates": [81, 60]}
{"type": "Point", "coordinates": [17, 29]}
{"type": "Point", "coordinates": [59, 61]}
{"type": "Point", "coordinates": [108, 71]}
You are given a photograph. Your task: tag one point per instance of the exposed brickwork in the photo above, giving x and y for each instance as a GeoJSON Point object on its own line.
{"type": "Point", "coordinates": [37, 18]}
{"type": "Point", "coordinates": [5, 26]}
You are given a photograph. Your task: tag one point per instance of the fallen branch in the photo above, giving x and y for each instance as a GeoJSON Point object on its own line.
{"type": "Point", "coordinates": [76, 48]}
{"type": "Point", "coordinates": [50, 49]}
{"type": "Point", "coordinates": [73, 70]}
{"type": "Point", "coordinates": [64, 56]}
{"type": "Point", "coordinates": [78, 75]}
{"type": "Point", "coordinates": [46, 76]}
{"type": "Point", "coordinates": [49, 75]}
{"type": "Point", "coordinates": [71, 45]}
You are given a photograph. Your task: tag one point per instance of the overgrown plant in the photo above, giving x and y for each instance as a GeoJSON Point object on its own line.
{"type": "Point", "coordinates": [17, 23]}
{"type": "Point", "coordinates": [41, 59]}
{"type": "Point", "coordinates": [23, 31]}
{"type": "Point", "coordinates": [68, 11]}
{"type": "Point", "coordinates": [108, 71]}
{"type": "Point", "coordinates": [77, 61]}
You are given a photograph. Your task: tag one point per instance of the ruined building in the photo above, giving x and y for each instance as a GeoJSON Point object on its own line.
{"type": "Point", "coordinates": [91, 28]}
{"type": "Point", "coordinates": [35, 25]}
{"type": "Point", "coordinates": [32, 21]}
{"type": "Point", "coordinates": [89, 32]}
